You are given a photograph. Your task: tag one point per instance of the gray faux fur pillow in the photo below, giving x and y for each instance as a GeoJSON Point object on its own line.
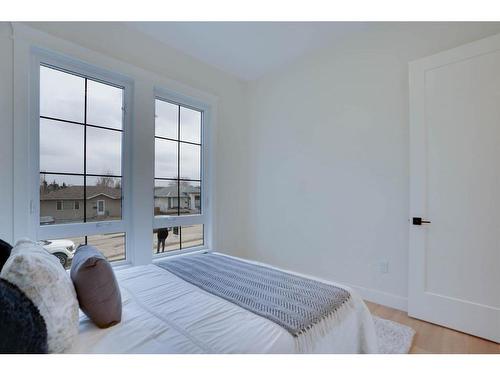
{"type": "Point", "coordinates": [96, 287]}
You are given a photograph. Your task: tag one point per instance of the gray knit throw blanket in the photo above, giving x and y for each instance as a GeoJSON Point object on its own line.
{"type": "Point", "coordinates": [293, 302]}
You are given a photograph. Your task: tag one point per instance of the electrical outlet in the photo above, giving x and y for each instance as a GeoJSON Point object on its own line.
{"type": "Point", "coordinates": [384, 266]}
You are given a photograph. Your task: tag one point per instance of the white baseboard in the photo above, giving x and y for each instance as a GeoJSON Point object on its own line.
{"type": "Point", "coordinates": [382, 298]}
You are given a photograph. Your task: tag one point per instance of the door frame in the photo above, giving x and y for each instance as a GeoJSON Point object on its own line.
{"type": "Point", "coordinates": [419, 300]}
{"type": "Point", "coordinates": [101, 212]}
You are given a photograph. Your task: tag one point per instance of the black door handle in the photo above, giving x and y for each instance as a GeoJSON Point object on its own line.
{"type": "Point", "coordinates": [419, 221]}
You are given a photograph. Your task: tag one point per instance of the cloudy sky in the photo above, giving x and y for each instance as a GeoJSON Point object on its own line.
{"type": "Point", "coordinates": [62, 96]}
{"type": "Point", "coordinates": [166, 151]}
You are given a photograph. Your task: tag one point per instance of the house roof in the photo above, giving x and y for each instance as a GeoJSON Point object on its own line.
{"type": "Point", "coordinates": [171, 191]}
{"type": "Point", "coordinates": [76, 193]}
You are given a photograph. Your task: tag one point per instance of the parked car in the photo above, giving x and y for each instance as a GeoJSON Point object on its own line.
{"type": "Point", "coordinates": [64, 250]}
{"type": "Point", "coordinates": [47, 220]}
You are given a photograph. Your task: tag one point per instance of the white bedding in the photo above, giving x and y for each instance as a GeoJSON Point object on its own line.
{"type": "Point", "coordinates": [165, 314]}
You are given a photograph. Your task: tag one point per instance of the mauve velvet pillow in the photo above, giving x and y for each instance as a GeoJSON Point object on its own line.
{"type": "Point", "coordinates": [96, 287]}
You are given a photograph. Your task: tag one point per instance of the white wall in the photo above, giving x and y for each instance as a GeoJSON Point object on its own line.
{"type": "Point", "coordinates": [115, 47]}
{"type": "Point", "coordinates": [6, 135]}
{"type": "Point", "coordinates": [329, 157]}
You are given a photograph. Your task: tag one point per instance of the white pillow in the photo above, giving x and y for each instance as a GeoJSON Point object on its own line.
{"type": "Point", "coordinates": [42, 278]}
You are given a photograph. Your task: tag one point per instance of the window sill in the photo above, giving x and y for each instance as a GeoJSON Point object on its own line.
{"type": "Point", "coordinates": [121, 265]}
{"type": "Point", "coordinates": [176, 253]}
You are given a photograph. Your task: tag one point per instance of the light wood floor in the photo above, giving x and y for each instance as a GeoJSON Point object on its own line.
{"type": "Point", "coordinates": [431, 338]}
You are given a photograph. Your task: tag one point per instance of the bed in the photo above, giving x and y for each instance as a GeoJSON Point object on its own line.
{"type": "Point", "coordinates": [163, 313]}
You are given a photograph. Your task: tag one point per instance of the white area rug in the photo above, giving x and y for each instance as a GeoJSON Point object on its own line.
{"type": "Point", "coordinates": [393, 338]}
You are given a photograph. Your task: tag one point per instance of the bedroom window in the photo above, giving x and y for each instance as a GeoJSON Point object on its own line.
{"type": "Point", "coordinates": [81, 132]}
{"type": "Point", "coordinates": [112, 246]}
{"type": "Point", "coordinates": [179, 172]}
{"type": "Point", "coordinates": [177, 238]}
{"type": "Point", "coordinates": [80, 146]}
{"type": "Point", "coordinates": [177, 159]}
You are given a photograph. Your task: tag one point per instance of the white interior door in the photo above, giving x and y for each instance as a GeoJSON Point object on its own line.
{"type": "Point", "coordinates": [454, 269]}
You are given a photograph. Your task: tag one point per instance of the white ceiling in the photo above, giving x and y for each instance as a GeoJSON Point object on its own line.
{"type": "Point", "coordinates": [246, 49]}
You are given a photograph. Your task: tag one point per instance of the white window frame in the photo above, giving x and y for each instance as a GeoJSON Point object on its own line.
{"type": "Point", "coordinates": [40, 57]}
{"type": "Point", "coordinates": [206, 215]}
{"type": "Point", "coordinates": [57, 206]}
{"type": "Point", "coordinates": [138, 189]}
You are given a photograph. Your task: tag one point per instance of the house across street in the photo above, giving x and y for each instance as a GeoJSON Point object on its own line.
{"type": "Point", "coordinates": [65, 205]}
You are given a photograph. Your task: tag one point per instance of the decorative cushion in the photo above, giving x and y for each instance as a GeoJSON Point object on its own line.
{"type": "Point", "coordinates": [5, 249]}
{"type": "Point", "coordinates": [42, 278]}
{"type": "Point", "coordinates": [96, 287]}
{"type": "Point", "coordinates": [23, 328]}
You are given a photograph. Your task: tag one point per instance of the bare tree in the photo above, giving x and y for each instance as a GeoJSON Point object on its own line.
{"type": "Point", "coordinates": [43, 184]}
{"type": "Point", "coordinates": [107, 181]}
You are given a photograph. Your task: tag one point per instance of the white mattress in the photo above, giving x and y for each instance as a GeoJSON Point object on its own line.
{"type": "Point", "coordinates": [165, 314]}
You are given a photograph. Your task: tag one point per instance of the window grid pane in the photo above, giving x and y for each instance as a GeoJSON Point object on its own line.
{"type": "Point", "coordinates": [166, 239]}
{"type": "Point", "coordinates": [61, 94]}
{"type": "Point", "coordinates": [112, 246]}
{"type": "Point", "coordinates": [166, 158]}
{"type": "Point", "coordinates": [57, 156]}
{"type": "Point", "coordinates": [104, 105]}
{"type": "Point", "coordinates": [177, 189]}
{"type": "Point", "coordinates": [166, 120]}
{"type": "Point", "coordinates": [190, 125]}
{"type": "Point", "coordinates": [103, 179]}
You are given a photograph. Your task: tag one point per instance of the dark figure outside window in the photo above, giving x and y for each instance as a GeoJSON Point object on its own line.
{"type": "Point", "coordinates": [162, 235]}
